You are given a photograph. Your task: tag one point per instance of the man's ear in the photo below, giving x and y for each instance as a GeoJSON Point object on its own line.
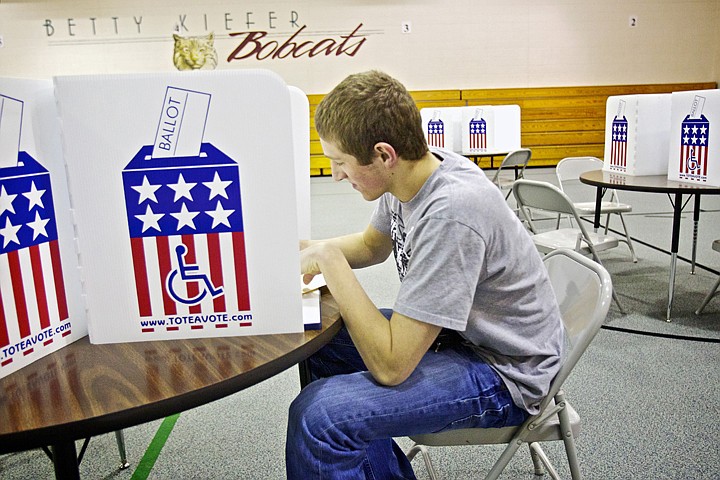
{"type": "Point", "coordinates": [387, 154]}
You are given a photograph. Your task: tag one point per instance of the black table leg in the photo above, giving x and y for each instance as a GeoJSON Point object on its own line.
{"type": "Point", "coordinates": [65, 461]}
{"type": "Point", "coordinates": [674, 251]}
{"type": "Point", "coordinates": [305, 377]}
{"type": "Point", "coordinates": [598, 204]}
{"type": "Point", "coordinates": [696, 222]}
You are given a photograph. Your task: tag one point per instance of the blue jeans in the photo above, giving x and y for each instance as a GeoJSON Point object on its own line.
{"type": "Point", "coordinates": [341, 425]}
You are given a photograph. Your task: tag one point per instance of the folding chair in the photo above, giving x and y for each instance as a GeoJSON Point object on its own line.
{"type": "Point", "coordinates": [714, 290]}
{"type": "Point", "coordinates": [568, 172]}
{"type": "Point", "coordinates": [518, 160]}
{"type": "Point", "coordinates": [583, 289]}
{"type": "Point", "coordinates": [531, 194]}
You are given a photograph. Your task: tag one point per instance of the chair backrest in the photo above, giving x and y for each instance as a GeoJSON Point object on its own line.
{"type": "Point", "coordinates": [542, 195]}
{"type": "Point", "coordinates": [583, 289]}
{"type": "Point", "coordinates": [516, 158]}
{"type": "Point", "coordinates": [548, 197]}
{"type": "Point", "coordinates": [569, 170]}
{"type": "Point", "coordinates": [519, 157]}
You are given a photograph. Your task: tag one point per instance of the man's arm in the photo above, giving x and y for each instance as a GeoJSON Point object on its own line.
{"type": "Point", "coordinates": [390, 349]}
{"type": "Point", "coordinates": [361, 249]}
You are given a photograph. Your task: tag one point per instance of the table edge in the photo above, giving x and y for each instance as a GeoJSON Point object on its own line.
{"type": "Point", "coordinates": [678, 187]}
{"type": "Point", "coordinates": [89, 427]}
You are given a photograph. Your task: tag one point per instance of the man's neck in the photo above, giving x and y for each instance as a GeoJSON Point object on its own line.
{"type": "Point", "coordinates": [411, 175]}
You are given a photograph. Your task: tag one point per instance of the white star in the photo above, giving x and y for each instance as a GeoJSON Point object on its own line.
{"type": "Point", "coordinates": [219, 215]}
{"type": "Point", "coordinates": [146, 191]}
{"type": "Point", "coordinates": [703, 130]}
{"type": "Point", "coordinates": [694, 139]}
{"type": "Point", "coordinates": [702, 140]}
{"type": "Point", "coordinates": [686, 139]}
{"type": "Point", "coordinates": [150, 219]}
{"type": "Point", "coordinates": [185, 217]}
{"type": "Point", "coordinates": [694, 129]}
{"type": "Point", "coordinates": [182, 189]}
{"type": "Point", "coordinates": [9, 232]}
{"type": "Point", "coordinates": [38, 226]}
{"type": "Point", "coordinates": [217, 186]}
{"type": "Point", "coordinates": [34, 196]}
{"type": "Point", "coordinates": [6, 201]}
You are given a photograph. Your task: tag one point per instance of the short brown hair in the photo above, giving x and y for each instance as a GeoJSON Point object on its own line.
{"type": "Point", "coordinates": [367, 108]}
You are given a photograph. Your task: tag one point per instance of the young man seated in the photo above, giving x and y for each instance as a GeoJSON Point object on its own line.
{"type": "Point", "coordinates": [468, 269]}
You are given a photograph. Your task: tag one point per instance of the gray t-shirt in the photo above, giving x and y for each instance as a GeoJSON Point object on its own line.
{"type": "Point", "coordinates": [467, 263]}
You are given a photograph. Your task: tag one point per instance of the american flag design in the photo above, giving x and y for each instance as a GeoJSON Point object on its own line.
{"type": "Point", "coordinates": [478, 134]}
{"type": "Point", "coordinates": [694, 135]}
{"type": "Point", "coordinates": [436, 133]}
{"type": "Point", "coordinates": [186, 233]}
{"type": "Point", "coordinates": [618, 155]}
{"type": "Point", "coordinates": [32, 288]}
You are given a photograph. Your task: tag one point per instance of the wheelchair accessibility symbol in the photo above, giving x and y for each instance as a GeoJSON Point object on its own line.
{"type": "Point", "coordinates": [691, 161]}
{"type": "Point", "coordinates": [189, 273]}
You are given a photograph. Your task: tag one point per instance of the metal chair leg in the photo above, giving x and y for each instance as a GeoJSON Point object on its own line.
{"type": "Point", "coordinates": [708, 297]}
{"type": "Point", "coordinates": [120, 437]}
{"type": "Point", "coordinates": [537, 463]}
{"type": "Point", "coordinates": [535, 447]}
{"type": "Point", "coordinates": [627, 239]}
{"type": "Point", "coordinates": [422, 449]}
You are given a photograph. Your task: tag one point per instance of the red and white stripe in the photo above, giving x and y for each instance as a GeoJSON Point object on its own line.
{"type": "Point", "coordinates": [701, 157]}
{"type": "Point", "coordinates": [221, 255]}
{"type": "Point", "coordinates": [33, 297]}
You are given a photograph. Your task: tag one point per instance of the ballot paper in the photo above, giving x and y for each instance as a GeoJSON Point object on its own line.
{"type": "Point", "coordinates": [312, 319]}
{"type": "Point", "coordinates": [11, 112]}
{"type": "Point", "coordinates": [311, 302]}
{"type": "Point", "coordinates": [182, 123]}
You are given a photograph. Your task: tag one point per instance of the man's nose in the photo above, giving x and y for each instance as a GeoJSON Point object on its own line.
{"type": "Point", "coordinates": [337, 174]}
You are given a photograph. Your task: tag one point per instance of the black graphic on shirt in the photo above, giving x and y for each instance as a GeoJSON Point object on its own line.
{"type": "Point", "coordinates": [397, 233]}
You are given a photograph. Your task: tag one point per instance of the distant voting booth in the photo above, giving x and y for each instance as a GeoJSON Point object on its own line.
{"type": "Point", "coordinates": [186, 202]}
{"type": "Point", "coordinates": [694, 143]}
{"type": "Point", "coordinates": [442, 127]}
{"type": "Point", "coordinates": [501, 124]}
{"type": "Point", "coordinates": [41, 308]}
{"type": "Point", "coordinates": [477, 130]}
{"type": "Point", "coordinates": [637, 129]}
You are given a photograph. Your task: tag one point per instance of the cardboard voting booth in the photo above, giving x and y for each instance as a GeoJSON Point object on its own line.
{"type": "Point", "coordinates": [501, 126]}
{"type": "Point", "coordinates": [41, 308]}
{"type": "Point", "coordinates": [636, 133]}
{"type": "Point", "coordinates": [478, 130]}
{"type": "Point", "coordinates": [185, 203]}
{"type": "Point", "coordinates": [477, 134]}
{"type": "Point", "coordinates": [442, 127]}
{"type": "Point", "coordinates": [694, 155]}
{"type": "Point", "coordinates": [300, 108]}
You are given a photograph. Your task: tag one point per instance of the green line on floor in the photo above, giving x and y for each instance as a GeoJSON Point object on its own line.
{"type": "Point", "coordinates": [153, 451]}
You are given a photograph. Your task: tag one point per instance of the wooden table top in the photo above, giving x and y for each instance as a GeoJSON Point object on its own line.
{"type": "Point", "coordinates": [84, 390]}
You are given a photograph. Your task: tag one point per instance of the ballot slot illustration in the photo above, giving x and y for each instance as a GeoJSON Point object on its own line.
{"type": "Point", "coordinates": [478, 132]}
{"type": "Point", "coordinates": [618, 157]}
{"type": "Point", "coordinates": [436, 131]}
{"type": "Point", "coordinates": [694, 140]}
{"type": "Point", "coordinates": [33, 300]}
{"type": "Point", "coordinates": [184, 213]}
